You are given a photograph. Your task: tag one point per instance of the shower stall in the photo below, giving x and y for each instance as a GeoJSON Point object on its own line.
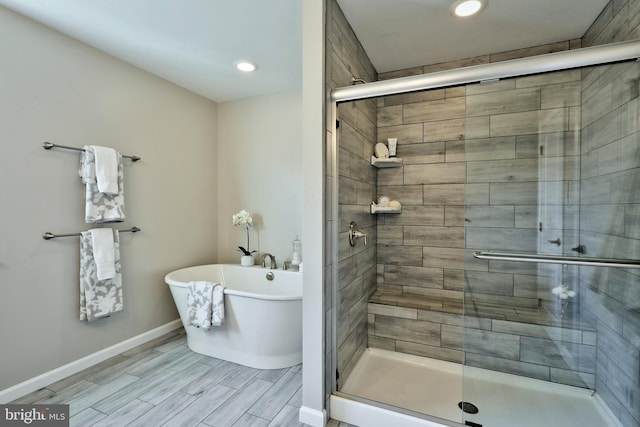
{"type": "Point", "coordinates": [506, 288]}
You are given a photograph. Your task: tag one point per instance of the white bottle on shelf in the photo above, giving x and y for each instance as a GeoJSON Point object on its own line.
{"type": "Point", "coordinates": [296, 259]}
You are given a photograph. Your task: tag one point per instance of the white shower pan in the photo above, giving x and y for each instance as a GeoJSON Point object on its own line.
{"type": "Point", "coordinates": [435, 388]}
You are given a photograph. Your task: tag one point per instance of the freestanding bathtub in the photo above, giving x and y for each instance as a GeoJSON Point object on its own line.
{"type": "Point", "coordinates": [263, 318]}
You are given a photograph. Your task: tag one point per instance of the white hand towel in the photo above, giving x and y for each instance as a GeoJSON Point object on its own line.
{"type": "Point", "coordinates": [106, 169]}
{"type": "Point", "coordinates": [104, 252]}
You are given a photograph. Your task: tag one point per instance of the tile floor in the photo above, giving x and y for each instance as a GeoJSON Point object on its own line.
{"type": "Point", "coordinates": [163, 383]}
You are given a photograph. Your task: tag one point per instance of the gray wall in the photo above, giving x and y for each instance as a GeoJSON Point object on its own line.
{"type": "Point", "coordinates": [260, 171]}
{"type": "Point", "coordinates": [356, 179]}
{"type": "Point", "coordinates": [54, 88]}
{"type": "Point", "coordinates": [610, 210]}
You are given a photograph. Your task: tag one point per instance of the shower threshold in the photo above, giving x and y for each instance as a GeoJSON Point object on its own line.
{"type": "Point", "coordinates": [436, 388]}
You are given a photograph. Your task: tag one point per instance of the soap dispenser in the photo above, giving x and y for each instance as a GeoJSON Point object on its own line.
{"type": "Point", "coordinates": [296, 259]}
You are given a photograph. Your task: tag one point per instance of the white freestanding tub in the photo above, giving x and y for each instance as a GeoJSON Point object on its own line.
{"type": "Point", "coordinates": [263, 318]}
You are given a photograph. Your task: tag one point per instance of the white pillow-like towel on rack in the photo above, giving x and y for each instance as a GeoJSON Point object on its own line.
{"type": "Point", "coordinates": [104, 252]}
{"type": "Point", "coordinates": [205, 304]}
{"type": "Point", "coordinates": [106, 169]}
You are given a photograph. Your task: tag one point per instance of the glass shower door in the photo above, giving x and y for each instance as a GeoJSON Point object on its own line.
{"type": "Point", "coordinates": [552, 168]}
{"type": "Point", "coordinates": [390, 303]}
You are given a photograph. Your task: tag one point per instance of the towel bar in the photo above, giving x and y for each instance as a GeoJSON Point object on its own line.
{"type": "Point", "coordinates": [50, 145]}
{"type": "Point", "coordinates": [557, 259]}
{"type": "Point", "coordinates": [47, 235]}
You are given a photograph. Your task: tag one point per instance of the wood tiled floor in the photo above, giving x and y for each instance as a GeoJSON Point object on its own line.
{"type": "Point", "coordinates": [163, 383]}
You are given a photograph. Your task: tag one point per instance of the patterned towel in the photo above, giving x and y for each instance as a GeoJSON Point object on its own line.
{"type": "Point", "coordinates": [98, 298]}
{"type": "Point", "coordinates": [217, 315]}
{"type": "Point", "coordinates": [205, 304]}
{"type": "Point", "coordinates": [100, 207]}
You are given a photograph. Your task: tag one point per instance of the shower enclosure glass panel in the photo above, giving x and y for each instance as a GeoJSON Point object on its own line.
{"type": "Point", "coordinates": [539, 164]}
{"type": "Point", "coordinates": [552, 167]}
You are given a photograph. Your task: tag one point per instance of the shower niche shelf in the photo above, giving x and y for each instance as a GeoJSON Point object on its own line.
{"type": "Point", "coordinates": [375, 209]}
{"type": "Point", "coordinates": [388, 162]}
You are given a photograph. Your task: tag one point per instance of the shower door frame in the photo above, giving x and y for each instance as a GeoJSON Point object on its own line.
{"type": "Point", "coordinates": [352, 411]}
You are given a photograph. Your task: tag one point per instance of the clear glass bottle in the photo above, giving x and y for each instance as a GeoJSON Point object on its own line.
{"type": "Point", "coordinates": [296, 259]}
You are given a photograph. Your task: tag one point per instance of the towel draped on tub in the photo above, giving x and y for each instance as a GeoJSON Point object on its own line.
{"type": "Point", "coordinates": [99, 297]}
{"type": "Point", "coordinates": [102, 207]}
{"type": "Point", "coordinates": [205, 304]}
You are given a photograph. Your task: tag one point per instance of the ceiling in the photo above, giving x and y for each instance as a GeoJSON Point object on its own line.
{"type": "Point", "coordinates": [399, 34]}
{"type": "Point", "coordinates": [194, 43]}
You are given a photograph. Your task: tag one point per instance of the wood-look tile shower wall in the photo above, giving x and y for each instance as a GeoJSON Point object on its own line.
{"type": "Point", "coordinates": [412, 254]}
{"type": "Point", "coordinates": [480, 145]}
{"type": "Point", "coordinates": [357, 186]}
{"type": "Point", "coordinates": [610, 211]}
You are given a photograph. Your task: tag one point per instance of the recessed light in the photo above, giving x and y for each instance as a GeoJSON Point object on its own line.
{"type": "Point", "coordinates": [246, 66]}
{"type": "Point", "coordinates": [466, 8]}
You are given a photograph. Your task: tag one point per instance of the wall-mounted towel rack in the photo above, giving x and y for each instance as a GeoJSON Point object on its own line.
{"type": "Point", "coordinates": [47, 235]}
{"type": "Point", "coordinates": [50, 145]}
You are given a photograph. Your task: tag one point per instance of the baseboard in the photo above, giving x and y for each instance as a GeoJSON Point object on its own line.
{"type": "Point", "coordinates": [43, 380]}
{"type": "Point", "coordinates": [313, 417]}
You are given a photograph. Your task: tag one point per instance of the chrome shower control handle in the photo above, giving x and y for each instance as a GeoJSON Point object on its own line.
{"type": "Point", "coordinates": [358, 234]}
{"type": "Point", "coordinates": [355, 233]}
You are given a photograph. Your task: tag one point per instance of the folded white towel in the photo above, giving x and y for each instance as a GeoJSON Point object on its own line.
{"type": "Point", "coordinates": [205, 304]}
{"type": "Point", "coordinates": [104, 252]}
{"type": "Point", "coordinates": [106, 169]}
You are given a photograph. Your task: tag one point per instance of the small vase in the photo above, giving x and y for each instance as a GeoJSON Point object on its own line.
{"type": "Point", "coordinates": [247, 260]}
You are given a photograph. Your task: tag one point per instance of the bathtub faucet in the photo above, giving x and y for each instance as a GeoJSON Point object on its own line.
{"type": "Point", "coordinates": [274, 265]}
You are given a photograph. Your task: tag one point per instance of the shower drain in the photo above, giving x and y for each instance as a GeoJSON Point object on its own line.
{"type": "Point", "coordinates": [467, 407]}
